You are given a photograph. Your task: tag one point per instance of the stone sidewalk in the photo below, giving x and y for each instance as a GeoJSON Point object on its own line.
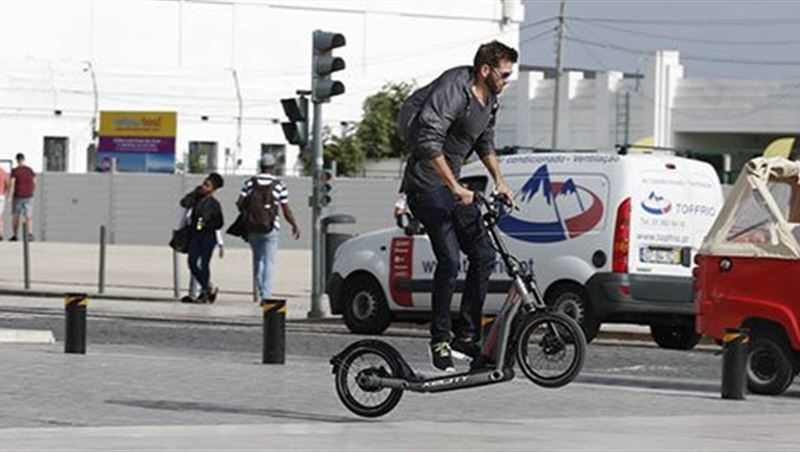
{"type": "Point", "coordinates": [146, 273]}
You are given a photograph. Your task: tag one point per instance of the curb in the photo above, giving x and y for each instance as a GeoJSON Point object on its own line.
{"type": "Point", "coordinates": [92, 295]}
{"type": "Point", "coordinates": [333, 325]}
{"type": "Point", "coordinates": [8, 335]}
{"type": "Point", "coordinates": [329, 325]}
{"type": "Point", "coordinates": [99, 296]}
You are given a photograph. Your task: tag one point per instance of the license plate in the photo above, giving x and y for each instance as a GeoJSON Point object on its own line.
{"type": "Point", "coordinates": [660, 255]}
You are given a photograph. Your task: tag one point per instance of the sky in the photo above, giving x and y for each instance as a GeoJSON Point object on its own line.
{"type": "Point", "coordinates": [717, 39]}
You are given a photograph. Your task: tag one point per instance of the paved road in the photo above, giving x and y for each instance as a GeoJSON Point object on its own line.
{"type": "Point", "coordinates": [136, 397]}
{"type": "Point", "coordinates": [158, 385]}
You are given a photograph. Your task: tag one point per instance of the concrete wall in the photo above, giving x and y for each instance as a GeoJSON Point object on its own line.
{"type": "Point", "coordinates": [142, 209]}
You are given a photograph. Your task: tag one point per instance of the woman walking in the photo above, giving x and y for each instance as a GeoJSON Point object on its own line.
{"type": "Point", "coordinates": [206, 219]}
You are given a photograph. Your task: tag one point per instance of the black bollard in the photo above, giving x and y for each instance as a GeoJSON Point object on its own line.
{"type": "Point", "coordinates": [274, 331]}
{"type": "Point", "coordinates": [735, 347]}
{"type": "Point", "coordinates": [75, 340]}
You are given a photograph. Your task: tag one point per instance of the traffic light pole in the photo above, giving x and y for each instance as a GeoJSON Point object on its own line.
{"type": "Point", "coordinates": [323, 63]}
{"type": "Point", "coordinates": [316, 311]}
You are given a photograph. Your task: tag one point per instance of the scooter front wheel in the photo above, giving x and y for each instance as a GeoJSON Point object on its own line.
{"type": "Point", "coordinates": [355, 383]}
{"type": "Point", "coordinates": [551, 348]}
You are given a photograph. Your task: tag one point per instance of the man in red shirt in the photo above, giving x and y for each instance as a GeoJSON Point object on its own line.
{"type": "Point", "coordinates": [23, 185]}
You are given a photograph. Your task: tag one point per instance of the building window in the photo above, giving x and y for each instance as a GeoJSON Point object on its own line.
{"type": "Point", "coordinates": [55, 154]}
{"type": "Point", "coordinates": [202, 157]}
{"type": "Point", "coordinates": [279, 152]}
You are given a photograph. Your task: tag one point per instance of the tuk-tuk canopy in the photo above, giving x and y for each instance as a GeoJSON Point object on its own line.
{"type": "Point", "coordinates": [761, 215]}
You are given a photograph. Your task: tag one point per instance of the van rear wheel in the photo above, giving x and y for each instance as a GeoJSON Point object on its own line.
{"type": "Point", "coordinates": [769, 364]}
{"type": "Point", "coordinates": [365, 309]}
{"type": "Point", "coordinates": [571, 299]}
{"type": "Point", "coordinates": [675, 337]}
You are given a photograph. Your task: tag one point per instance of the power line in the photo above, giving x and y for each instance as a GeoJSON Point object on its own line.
{"type": "Point", "coordinates": [698, 22]}
{"type": "Point", "coordinates": [698, 40]}
{"type": "Point", "coordinates": [611, 46]}
{"type": "Point", "coordinates": [590, 53]}
{"type": "Point", "coordinates": [538, 35]}
{"type": "Point", "coordinates": [688, 57]}
{"type": "Point", "coordinates": [537, 23]}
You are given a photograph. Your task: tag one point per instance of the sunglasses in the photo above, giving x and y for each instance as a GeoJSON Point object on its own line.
{"type": "Point", "coordinates": [502, 75]}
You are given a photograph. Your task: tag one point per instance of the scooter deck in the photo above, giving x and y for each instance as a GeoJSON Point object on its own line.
{"type": "Point", "coordinates": [441, 382]}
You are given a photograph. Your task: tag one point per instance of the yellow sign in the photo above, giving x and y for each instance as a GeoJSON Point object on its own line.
{"type": "Point", "coordinates": [138, 124]}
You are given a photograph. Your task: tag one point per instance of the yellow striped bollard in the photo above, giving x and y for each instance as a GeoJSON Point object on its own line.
{"type": "Point", "coordinates": [274, 331]}
{"type": "Point", "coordinates": [75, 310]}
{"type": "Point", "coordinates": [735, 346]}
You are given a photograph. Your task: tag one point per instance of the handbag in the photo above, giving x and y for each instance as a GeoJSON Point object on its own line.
{"type": "Point", "coordinates": [180, 240]}
{"type": "Point", "coordinates": [238, 228]}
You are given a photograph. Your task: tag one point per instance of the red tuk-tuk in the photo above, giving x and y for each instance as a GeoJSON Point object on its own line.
{"type": "Point", "coordinates": [748, 271]}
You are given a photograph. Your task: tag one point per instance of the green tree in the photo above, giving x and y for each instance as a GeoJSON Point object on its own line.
{"type": "Point", "coordinates": [374, 138]}
{"type": "Point", "coordinates": [377, 131]}
{"type": "Point", "coordinates": [346, 150]}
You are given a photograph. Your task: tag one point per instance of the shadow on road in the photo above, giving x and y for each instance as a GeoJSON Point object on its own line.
{"type": "Point", "coordinates": [171, 405]}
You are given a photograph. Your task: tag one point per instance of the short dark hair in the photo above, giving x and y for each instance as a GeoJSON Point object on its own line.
{"type": "Point", "coordinates": [491, 53]}
{"type": "Point", "coordinates": [20, 156]}
{"type": "Point", "coordinates": [216, 180]}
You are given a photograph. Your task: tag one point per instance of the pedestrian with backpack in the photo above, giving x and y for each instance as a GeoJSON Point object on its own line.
{"type": "Point", "coordinates": [259, 200]}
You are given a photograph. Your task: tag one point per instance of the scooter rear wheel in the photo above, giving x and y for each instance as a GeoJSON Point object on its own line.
{"type": "Point", "coordinates": [551, 348]}
{"type": "Point", "coordinates": [352, 382]}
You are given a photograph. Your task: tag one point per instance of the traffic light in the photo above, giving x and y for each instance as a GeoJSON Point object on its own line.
{"type": "Point", "coordinates": [296, 129]}
{"type": "Point", "coordinates": [325, 187]}
{"type": "Point", "coordinates": [323, 63]}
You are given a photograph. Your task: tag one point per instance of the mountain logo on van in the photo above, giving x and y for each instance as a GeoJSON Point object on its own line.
{"type": "Point", "coordinates": [552, 211]}
{"type": "Point", "coordinates": [656, 205]}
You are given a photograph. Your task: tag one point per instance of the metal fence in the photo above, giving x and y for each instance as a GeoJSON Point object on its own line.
{"type": "Point", "coordinates": [142, 209]}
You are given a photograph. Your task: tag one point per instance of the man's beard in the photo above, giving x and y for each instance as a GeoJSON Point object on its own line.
{"type": "Point", "coordinates": [495, 88]}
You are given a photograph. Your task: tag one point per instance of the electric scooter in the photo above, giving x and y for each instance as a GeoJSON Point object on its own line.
{"type": "Point", "coordinates": [548, 346]}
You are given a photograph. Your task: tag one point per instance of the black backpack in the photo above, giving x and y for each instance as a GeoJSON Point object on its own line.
{"type": "Point", "coordinates": [260, 207]}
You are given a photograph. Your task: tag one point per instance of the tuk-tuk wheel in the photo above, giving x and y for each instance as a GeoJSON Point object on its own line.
{"type": "Point", "coordinates": [769, 364]}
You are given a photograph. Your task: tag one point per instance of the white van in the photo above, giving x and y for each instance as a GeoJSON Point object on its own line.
{"type": "Point", "coordinates": [609, 238]}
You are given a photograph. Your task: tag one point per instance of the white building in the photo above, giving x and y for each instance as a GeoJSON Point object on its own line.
{"type": "Point", "coordinates": [222, 65]}
{"type": "Point", "coordinates": [710, 118]}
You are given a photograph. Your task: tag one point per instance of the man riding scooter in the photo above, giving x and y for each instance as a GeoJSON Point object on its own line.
{"type": "Point", "coordinates": [442, 124]}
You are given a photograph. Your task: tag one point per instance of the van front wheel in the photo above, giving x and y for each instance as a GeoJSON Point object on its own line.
{"type": "Point", "coordinates": [365, 309]}
{"type": "Point", "coordinates": [675, 337]}
{"type": "Point", "coordinates": [571, 299]}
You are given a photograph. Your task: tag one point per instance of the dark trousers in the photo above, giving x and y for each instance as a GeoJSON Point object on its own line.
{"type": "Point", "coordinates": [201, 247]}
{"type": "Point", "coordinates": [454, 227]}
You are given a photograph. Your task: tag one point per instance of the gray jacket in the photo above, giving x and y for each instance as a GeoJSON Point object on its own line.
{"type": "Point", "coordinates": [444, 117]}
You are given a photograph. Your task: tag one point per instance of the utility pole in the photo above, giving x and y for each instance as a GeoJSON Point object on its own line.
{"type": "Point", "coordinates": [559, 74]}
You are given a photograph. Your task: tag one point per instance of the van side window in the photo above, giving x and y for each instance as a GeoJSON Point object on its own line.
{"type": "Point", "coordinates": [475, 183]}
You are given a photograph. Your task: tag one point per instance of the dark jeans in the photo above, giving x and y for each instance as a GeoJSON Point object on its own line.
{"type": "Point", "coordinates": [201, 247]}
{"type": "Point", "coordinates": [452, 227]}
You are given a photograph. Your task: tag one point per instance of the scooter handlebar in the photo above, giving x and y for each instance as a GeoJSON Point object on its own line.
{"type": "Point", "coordinates": [494, 204]}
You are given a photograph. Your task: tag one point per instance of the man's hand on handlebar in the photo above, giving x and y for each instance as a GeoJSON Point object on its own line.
{"type": "Point", "coordinates": [463, 195]}
{"type": "Point", "coordinates": [505, 194]}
